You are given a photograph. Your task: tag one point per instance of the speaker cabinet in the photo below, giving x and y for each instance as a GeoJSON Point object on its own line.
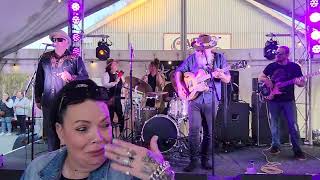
{"type": "Point", "coordinates": [261, 133]}
{"type": "Point", "coordinates": [235, 127]}
{"type": "Point", "coordinates": [232, 88]}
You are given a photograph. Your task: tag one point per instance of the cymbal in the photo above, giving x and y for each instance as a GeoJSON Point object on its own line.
{"type": "Point", "coordinates": [158, 93]}
{"type": "Point", "coordinates": [139, 84]}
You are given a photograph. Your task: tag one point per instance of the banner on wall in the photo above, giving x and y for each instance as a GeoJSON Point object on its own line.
{"type": "Point", "coordinates": [171, 41]}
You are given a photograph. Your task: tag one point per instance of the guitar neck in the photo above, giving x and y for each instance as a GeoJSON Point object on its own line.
{"type": "Point", "coordinates": [287, 83]}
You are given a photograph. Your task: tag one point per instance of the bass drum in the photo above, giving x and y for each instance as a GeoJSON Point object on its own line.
{"type": "Point", "coordinates": [165, 128]}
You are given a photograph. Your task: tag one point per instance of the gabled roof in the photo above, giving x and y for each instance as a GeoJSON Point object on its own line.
{"type": "Point", "coordinates": [23, 22]}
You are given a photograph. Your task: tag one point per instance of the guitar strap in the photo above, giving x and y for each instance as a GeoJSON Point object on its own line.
{"type": "Point", "coordinates": [217, 61]}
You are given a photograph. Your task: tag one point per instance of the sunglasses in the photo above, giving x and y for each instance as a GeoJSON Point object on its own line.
{"type": "Point", "coordinates": [58, 39]}
{"type": "Point", "coordinates": [82, 92]}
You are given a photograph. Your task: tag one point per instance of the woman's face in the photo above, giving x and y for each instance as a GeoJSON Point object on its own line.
{"type": "Point", "coordinates": [85, 131]}
{"type": "Point", "coordinates": [152, 68]}
{"type": "Point", "coordinates": [5, 96]}
{"type": "Point", "coordinates": [114, 66]}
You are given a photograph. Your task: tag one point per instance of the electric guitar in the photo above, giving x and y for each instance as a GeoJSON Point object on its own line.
{"type": "Point", "coordinates": [196, 82]}
{"type": "Point", "coordinates": [268, 93]}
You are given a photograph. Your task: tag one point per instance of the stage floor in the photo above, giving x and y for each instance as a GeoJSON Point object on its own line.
{"type": "Point", "coordinates": [236, 161]}
{"type": "Point", "coordinates": [226, 164]}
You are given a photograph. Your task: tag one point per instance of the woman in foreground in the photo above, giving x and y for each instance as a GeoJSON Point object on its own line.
{"type": "Point", "coordinates": [85, 148]}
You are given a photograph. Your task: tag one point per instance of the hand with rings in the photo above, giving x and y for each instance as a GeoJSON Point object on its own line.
{"type": "Point", "coordinates": [138, 161]}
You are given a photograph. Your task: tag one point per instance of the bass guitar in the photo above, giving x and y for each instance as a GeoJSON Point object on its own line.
{"type": "Point", "coordinates": [196, 82]}
{"type": "Point", "coordinates": [269, 93]}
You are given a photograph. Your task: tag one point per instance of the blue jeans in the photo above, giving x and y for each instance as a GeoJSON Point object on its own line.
{"type": "Point", "coordinates": [48, 129]}
{"type": "Point", "coordinates": [200, 114]}
{"type": "Point", "coordinates": [6, 123]}
{"type": "Point", "coordinates": [290, 113]}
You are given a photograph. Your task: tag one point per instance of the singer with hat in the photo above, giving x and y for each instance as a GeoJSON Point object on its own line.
{"type": "Point", "coordinates": [55, 69]}
{"type": "Point", "coordinates": [200, 109]}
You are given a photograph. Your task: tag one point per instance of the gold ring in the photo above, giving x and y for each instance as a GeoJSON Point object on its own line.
{"type": "Point", "coordinates": [127, 173]}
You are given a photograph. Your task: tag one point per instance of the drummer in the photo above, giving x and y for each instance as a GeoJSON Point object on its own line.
{"type": "Point", "coordinates": [155, 79]}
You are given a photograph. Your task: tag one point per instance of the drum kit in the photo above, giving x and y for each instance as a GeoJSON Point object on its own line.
{"type": "Point", "coordinates": [170, 124]}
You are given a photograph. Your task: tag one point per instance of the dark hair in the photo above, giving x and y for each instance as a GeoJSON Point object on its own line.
{"type": "Point", "coordinates": [155, 63]}
{"type": "Point", "coordinates": [74, 92]}
{"type": "Point", "coordinates": [109, 63]}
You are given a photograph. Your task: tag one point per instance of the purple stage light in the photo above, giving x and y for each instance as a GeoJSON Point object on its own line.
{"type": "Point", "coordinates": [316, 49]}
{"type": "Point", "coordinates": [315, 35]}
{"type": "Point", "coordinates": [76, 51]}
{"type": "Point", "coordinates": [75, 20]}
{"type": "Point", "coordinates": [76, 37]}
{"type": "Point", "coordinates": [75, 6]}
{"type": "Point", "coordinates": [314, 17]}
{"type": "Point", "coordinates": [314, 3]}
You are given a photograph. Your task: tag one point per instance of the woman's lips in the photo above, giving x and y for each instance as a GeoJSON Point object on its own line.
{"type": "Point", "coordinates": [97, 152]}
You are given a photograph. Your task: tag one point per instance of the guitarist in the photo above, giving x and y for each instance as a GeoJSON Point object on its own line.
{"type": "Point", "coordinates": [200, 109]}
{"type": "Point", "coordinates": [279, 71]}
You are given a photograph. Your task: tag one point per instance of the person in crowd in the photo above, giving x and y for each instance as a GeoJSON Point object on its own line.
{"type": "Point", "coordinates": [155, 79]}
{"type": "Point", "coordinates": [21, 110]}
{"type": "Point", "coordinates": [276, 72]}
{"type": "Point", "coordinates": [85, 148]}
{"type": "Point", "coordinates": [113, 80]}
{"type": "Point", "coordinates": [55, 69]}
{"type": "Point", "coordinates": [200, 109]}
{"type": "Point", "coordinates": [6, 106]}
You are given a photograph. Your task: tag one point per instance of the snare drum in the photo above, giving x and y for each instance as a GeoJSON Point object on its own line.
{"type": "Point", "coordinates": [178, 109]}
{"type": "Point", "coordinates": [165, 128]}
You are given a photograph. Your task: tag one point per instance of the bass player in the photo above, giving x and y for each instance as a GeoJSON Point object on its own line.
{"type": "Point", "coordinates": [200, 108]}
{"type": "Point", "coordinates": [284, 100]}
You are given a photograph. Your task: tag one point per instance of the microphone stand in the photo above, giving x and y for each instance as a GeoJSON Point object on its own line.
{"type": "Point", "coordinates": [32, 108]}
{"type": "Point", "coordinates": [214, 95]}
{"type": "Point", "coordinates": [131, 110]}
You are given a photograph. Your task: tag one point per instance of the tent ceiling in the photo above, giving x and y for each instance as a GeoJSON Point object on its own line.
{"type": "Point", "coordinates": [285, 7]}
{"type": "Point", "coordinates": [24, 22]}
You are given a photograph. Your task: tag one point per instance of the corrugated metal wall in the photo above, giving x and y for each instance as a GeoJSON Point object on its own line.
{"type": "Point", "coordinates": [145, 25]}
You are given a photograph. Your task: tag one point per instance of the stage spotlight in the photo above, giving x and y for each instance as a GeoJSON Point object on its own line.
{"type": "Point", "coordinates": [76, 37]}
{"type": "Point", "coordinates": [75, 6]}
{"type": "Point", "coordinates": [270, 49]}
{"type": "Point", "coordinates": [76, 51]}
{"type": "Point", "coordinates": [103, 51]}
{"type": "Point", "coordinates": [75, 20]}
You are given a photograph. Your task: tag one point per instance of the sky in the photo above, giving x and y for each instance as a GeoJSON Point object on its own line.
{"type": "Point", "coordinates": [88, 21]}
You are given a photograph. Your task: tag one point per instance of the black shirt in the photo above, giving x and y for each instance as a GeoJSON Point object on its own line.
{"type": "Point", "coordinates": [282, 73]}
{"type": "Point", "coordinates": [152, 81]}
{"type": "Point", "coordinates": [48, 82]}
{"type": "Point", "coordinates": [115, 91]}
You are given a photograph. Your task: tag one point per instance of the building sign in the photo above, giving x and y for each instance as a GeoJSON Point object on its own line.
{"type": "Point", "coordinates": [171, 41]}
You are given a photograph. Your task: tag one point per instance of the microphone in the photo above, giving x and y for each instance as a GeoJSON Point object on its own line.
{"type": "Point", "coordinates": [131, 50]}
{"type": "Point", "coordinates": [47, 44]}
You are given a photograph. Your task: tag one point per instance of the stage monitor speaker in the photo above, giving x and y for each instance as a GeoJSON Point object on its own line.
{"type": "Point", "coordinates": [232, 87]}
{"type": "Point", "coordinates": [236, 126]}
{"type": "Point", "coordinates": [260, 123]}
